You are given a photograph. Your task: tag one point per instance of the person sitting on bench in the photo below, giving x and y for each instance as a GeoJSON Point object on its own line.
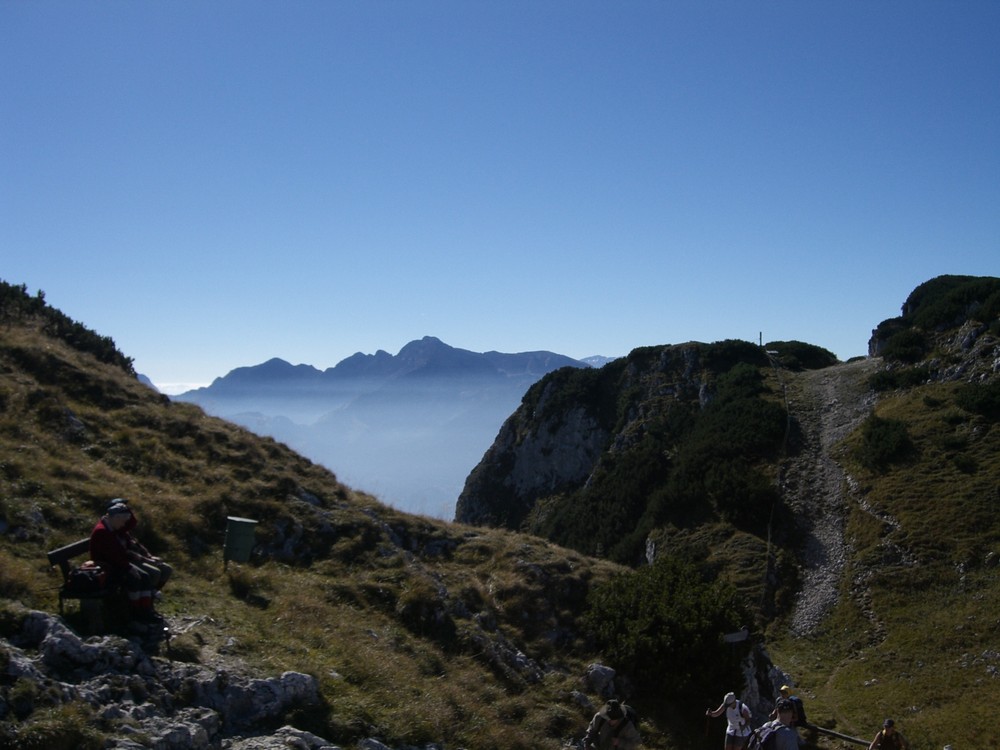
{"type": "Point", "coordinates": [127, 561]}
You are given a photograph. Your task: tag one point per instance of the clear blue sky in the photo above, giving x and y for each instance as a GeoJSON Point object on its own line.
{"type": "Point", "coordinates": [213, 184]}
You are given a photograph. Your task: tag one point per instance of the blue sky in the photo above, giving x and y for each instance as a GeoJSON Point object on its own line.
{"type": "Point", "coordinates": [213, 184]}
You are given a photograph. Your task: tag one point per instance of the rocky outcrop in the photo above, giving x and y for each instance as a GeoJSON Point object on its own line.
{"type": "Point", "coordinates": [142, 700]}
{"type": "Point", "coordinates": [527, 462]}
{"type": "Point", "coordinates": [970, 353]}
{"type": "Point", "coordinates": [569, 421]}
{"type": "Point", "coordinates": [945, 320]}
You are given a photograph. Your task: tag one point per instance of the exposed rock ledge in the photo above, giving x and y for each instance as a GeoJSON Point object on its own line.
{"type": "Point", "coordinates": [145, 701]}
{"type": "Point", "coordinates": [151, 702]}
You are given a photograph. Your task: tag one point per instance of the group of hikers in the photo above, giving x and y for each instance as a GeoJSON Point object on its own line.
{"type": "Point", "coordinates": [614, 727]}
{"type": "Point", "coordinates": [788, 715]}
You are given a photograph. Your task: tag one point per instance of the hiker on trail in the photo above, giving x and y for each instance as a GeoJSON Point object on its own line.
{"type": "Point", "coordinates": [785, 736]}
{"type": "Point", "coordinates": [800, 712]}
{"type": "Point", "coordinates": [128, 562]}
{"type": "Point", "coordinates": [888, 738]}
{"type": "Point", "coordinates": [614, 726]}
{"type": "Point", "coordinates": [738, 716]}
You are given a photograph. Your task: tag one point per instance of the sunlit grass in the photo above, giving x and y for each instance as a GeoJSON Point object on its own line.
{"type": "Point", "coordinates": [354, 604]}
{"type": "Point", "coordinates": [922, 645]}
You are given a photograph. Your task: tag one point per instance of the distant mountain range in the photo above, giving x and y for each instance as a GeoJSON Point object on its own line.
{"type": "Point", "coordinates": [408, 428]}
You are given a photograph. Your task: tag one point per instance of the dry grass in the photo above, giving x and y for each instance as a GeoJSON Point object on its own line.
{"type": "Point", "coordinates": [915, 633]}
{"type": "Point", "coordinates": [382, 607]}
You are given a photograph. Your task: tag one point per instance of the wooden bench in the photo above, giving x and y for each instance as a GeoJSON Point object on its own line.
{"type": "Point", "coordinates": [91, 602]}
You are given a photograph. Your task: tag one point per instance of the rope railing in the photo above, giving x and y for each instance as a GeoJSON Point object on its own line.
{"type": "Point", "coordinates": [839, 736]}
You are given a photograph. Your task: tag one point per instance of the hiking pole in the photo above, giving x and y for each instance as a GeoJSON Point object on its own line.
{"type": "Point", "coordinates": [840, 736]}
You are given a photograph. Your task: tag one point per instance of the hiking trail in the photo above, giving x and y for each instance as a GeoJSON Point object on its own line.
{"type": "Point", "coordinates": [826, 406]}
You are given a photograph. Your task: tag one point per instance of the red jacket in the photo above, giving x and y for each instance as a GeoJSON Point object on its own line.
{"type": "Point", "coordinates": [110, 548]}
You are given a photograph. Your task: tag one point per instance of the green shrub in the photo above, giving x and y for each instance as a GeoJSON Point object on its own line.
{"type": "Point", "coordinates": [909, 345]}
{"type": "Point", "coordinates": [965, 463]}
{"type": "Point", "coordinates": [67, 727]}
{"type": "Point", "coordinates": [797, 355]}
{"type": "Point", "coordinates": [420, 609]}
{"type": "Point", "coordinates": [663, 626]}
{"type": "Point", "coordinates": [883, 442]}
{"type": "Point", "coordinates": [888, 380]}
{"type": "Point", "coordinates": [724, 355]}
{"type": "Point", "coordinates": [948, 301]}
{"type": "Point", "coordinates": [12, 617]}
{"type": "Point", "coordinates": [980, 399]}
{"type": "Point", "coordinates": [186, 648]}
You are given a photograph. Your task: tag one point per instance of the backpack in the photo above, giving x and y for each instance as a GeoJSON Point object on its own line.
{"type": "Point", "coordinates": [800, 711]}
{"type": "Point", "coordinates": [85, 579]}
{"type": "Point", "coordinates": [631, 715]}
{"type": "Point", "coordinates": [740, 705]}
{"type": "Point", "coordinates": [762, 738]}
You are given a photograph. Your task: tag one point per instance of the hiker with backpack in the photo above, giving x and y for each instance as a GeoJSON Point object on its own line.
{"type": "Point", "coordinates": [738, 716]}
{"type": "Point", "coordinates": [614, 726]}
{"type": "Point", "coordinates": [799, 710]}
{"type": "Point", "coordinates": [797, 705]}
{"type": "Point", "coordinates": [777, 734]}
{"type": "Point", "coordinates": [889, 738]}
{"type": "Point", "coordinates": [127, 561]}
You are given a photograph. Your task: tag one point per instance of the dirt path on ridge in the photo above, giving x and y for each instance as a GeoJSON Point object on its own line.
{"type": "Point", "coordinates": [827, 405]}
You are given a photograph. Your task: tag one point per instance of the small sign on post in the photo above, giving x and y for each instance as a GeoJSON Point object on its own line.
{"type": "Point", "coordinates": [239, 539]}
{"type": "Point", "coordinates": [738, 637]}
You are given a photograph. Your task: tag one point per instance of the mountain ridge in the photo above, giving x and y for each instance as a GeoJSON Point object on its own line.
{"type": "Point", "coordinates": [380, 420]}
{"type": "Point", "coordinates": [428, 356]}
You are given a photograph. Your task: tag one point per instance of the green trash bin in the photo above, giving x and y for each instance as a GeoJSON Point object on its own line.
{"type": "Point", "coordinates": [239, 538]}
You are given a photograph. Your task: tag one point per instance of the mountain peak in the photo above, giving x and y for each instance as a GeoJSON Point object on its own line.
{"type": "Point", "coordinates": [427, 357]}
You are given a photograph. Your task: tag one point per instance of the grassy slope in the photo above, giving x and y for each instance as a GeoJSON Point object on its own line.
{"type": "Point", "coordinates": [396, 615]}
{"type": "Point", "coordinates": [916, 633]}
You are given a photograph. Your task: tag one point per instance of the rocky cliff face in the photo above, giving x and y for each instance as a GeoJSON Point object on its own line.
{"type": "Point", "coordinates": [527, 462]}
{"type": "Point", "coordinates": [569, 422]}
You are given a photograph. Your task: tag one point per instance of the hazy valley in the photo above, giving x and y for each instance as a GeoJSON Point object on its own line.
{"type": "Point", "coordinates": [407, 428]}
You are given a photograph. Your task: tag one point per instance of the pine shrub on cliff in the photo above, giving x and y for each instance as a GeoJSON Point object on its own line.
{"type": "Point", "coordinates": [663, 624]}
{"type": "Point", "coordinates": [692, 456]}
{"type": "Point", "coordinates": [941, 304]}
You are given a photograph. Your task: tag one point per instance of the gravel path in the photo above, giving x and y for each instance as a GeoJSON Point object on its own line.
{"type": "Point", "coordinates": [827, 405]}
